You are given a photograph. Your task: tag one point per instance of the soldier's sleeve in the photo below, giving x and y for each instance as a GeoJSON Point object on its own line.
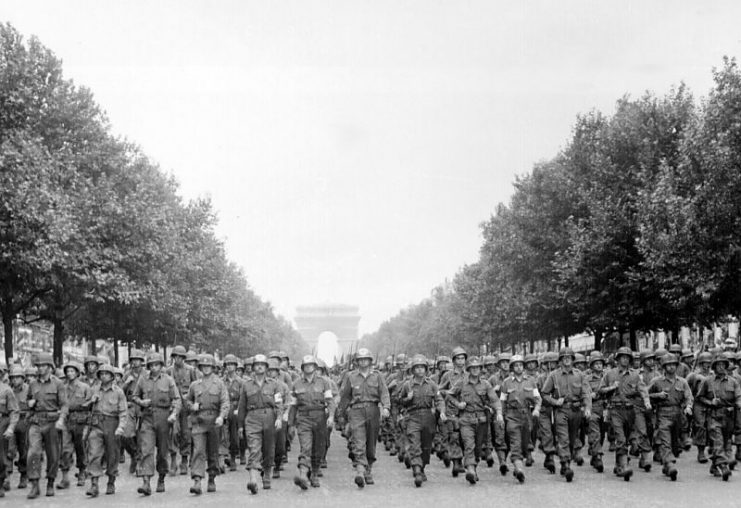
{"type": "Point", "coordinates": [63, 402]}
{"type": "Point", "coordinates": [643, 390]}
{"type": "Point", "coordinates": [454, 392]}
{"type": "Point", "coordinates": [494, 401]}
{"type": "Point", "coordinates": [439, 400]}
{"type": "Point", "coordinates": [121, 409]}
{"type": "Point", "coordinates": [189, 398]}
{"type": "Point", "coordinates": [547, 390]}
{"type": "Point", "coordinates": [702, 393]}
{"type": "Point", "coordinates": [225, 402]}
{"type": "Point", "coordinates": [345, 395]}
{"type": "Point", "coordinates": [329, 397]}
{"type": "Point", "coordinates": [586, 393]}
{"type": "Point", "coordinates": [738, 396]}
{"type": "Point", "coordinates": [242, 407]}
{"type": "Point", "coordinates": [137, 392]}
{"type": "Point", "coordinates": [688, 398]}
{"type": "Point", "coordinates": [537, 397]}
{"type": "Point", "coordinates": [176, 400]}
{"type": "Point", "coordinates": [11, 405]}
{"type": "Point", "coordinates": [384, 393]}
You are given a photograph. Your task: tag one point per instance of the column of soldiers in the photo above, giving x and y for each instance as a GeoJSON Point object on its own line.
{"type": "Point", "coordinates": [200, 416]}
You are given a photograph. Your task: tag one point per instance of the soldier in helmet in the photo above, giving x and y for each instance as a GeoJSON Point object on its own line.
{"type": "Point", "coordinates": [567, 391]}
{"type": "Point", "coordinates": [92, 364]}
{"type": "Point", "coordinates": [685, 363]}
{"type": "Point", "coordinates": [312, 407]}
{"type": "Point", "coordinates": [596, 422]}
{"type": "Point", "coordinates": [18, 444]}
{"type": "Point", "coordinates": [627, 397]}
{"type": "Point", "coordinates": [133, 411]}
{"type": "Point", "coordinates": [281, 439]}
{"type": "Point", "coordinates": [48, 404]}
{"type": "Point", "coordinates": [721, 394]}
{"type": "Point", "coordinates": [474, 396]}
{"type": "Point", "coordinates": [207, 403]}
{"type": "Point", "coordinates": [9, 414]}
{"type": "Point", "coordinates": [420, 397]}
{"type": "Point", "coordinates": [79, 395]}
{"type": "Point", "coordinates": [107, 422]}
{"type": "Point", "coordinates": [699, 409]}
{"type": "Point", "coordinates": [532, 366]}
{"type": "Point", "coordinates": [496, 429]}
{"type": "Point", "coordinates": [233, 384]}
{"type": "Point", "coordinates": [546, 419]}
{"type": "Point", "coordinates": [159, 399]}
{"type": "Point", "coordinates": [451, 427]}
{"type": "Point", "coordinates": [260, 415]}
{"type": "Point", "coordinates": [183, 375]}
{"type": "Point", "coordinates": [518, 394]}
{"type": "Point", "coordinates": [671, 397]}
{"type": "Point", "coordinates": [360, 396]}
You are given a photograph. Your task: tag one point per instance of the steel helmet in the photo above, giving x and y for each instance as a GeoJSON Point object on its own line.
{"type": "Point", "coordinates": [321, 364]}
{"type": "Point", "coordinates": [531, 357]}
{"type": "Point", "coordinates": [155, 358]}
{"type": "Point", "coordinates": [118, 371]}
{"type": "Point", "coordinates": [16, 371]}
{"type": "Point", "coordinates": [580, 358]}
{"type": "Point", "coordinates": [458, 351]}
{"type": "Point", "coordinates": [137, 355]}
{"type": "Point", "coordinates": [473, 362]}
{"type": "Point", "coordinates": [230, 358]}
{"type": "Point", "coordinates": [675, 349]}
{"type": "Point", "coordinates": [106, 368]}
{"type": "Point", "coordinates": [308, 360]}
{"type": "Point", "coordinates": [489, 360]}
{"type": "Point", "coordinates": [206, 359]}
{"type": "Point", "coordinates": [73, 364]}
{"type": "Point", "coordinates": [418, 360]}
{"type": "Point", "coordinates": [669, 359]}
{"type": "Point", "coordinates": [260, 359]}
{"type": "Point", "coordinates": [364, 353]}
{"type": "Point", "coordinates": [517, 359]}
{"type": "Point", "coordinates": [687, 353]}
{"type": "Point", "coordinates": [92, 359]}
{"type": "Point", "coordinates": [3, 367]}
{"type": "Point", "coordinates": [44, 359]}
{"type": "Point", "coordinates": [645, 355]}
{"type": "Point", "coordinates": [596, 356]}
{"type": "Point", "coordinates": [274, 354]}
{"type": "Point", "coordinates": [283, 355]}
{"type": "Point", "coordinates": [566, 351]}
{"type": "Point", "coordinates": [505, 357]}
{"type": "Point", "coordinates": [191, 356]}
{"type": "Point", "coordinates": [550, 357]}
{"type": "Point", "coordinates": [624, 351]}
{"type": "Point", "coordinates": [240, 365]}
{"type": "Point", "coordinates": [661, 352]}
{"type": "Point", "coordinates": [704, 357]}
{"type": "Point", "coordinates": [636, 356]}
{"type": "Point", "coordinates": [31, 371]}
{"type": "Point", "coordinates": [401, 359]}
{"type": "Point", "coordinates": [723, 357]}
{"type": "Point", "coordinates": [249, 361]}
{"type": "Point", "coordinates": [441, 359]}
{"type": "Point", "coordinates": [179, 351]}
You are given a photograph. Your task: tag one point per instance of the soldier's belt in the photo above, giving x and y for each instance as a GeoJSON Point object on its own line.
{"type": "Point", "coordinates": [310, 409]}
{"type": "Point", "coordinates": [419, 408]}
{"type": "Point", "coordinates": [259, 408]}
{"type": "Point", "coordinates": [357, 405]}
{"type": "Point", "coordinates": [208, 411]}
{"type": "Point", "coordinates": [47, 415]}
{"type": "Point", "coordinates": [622, 405]}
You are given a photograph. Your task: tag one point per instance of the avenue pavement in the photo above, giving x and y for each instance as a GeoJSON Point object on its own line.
{"type": "Point", "coordinates": [394, 487]}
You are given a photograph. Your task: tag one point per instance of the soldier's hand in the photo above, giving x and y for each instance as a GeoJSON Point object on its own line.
{"type": "Point", "coordinates": [219, 421]}
{"type": "Point", "coordinates": [688, 410]}
{"type": "Point", "coordinates": [330, 423]}
{"type": "Point", "coordinates": [662, 395]}
{"type": "Point", "coordinates": [145, 402]}
{"type": "Point", "coordinates": [558, 402]}
{"type": "Point", "coordinates": [31, 403]}
{"type": "Point", "coordinates": [8, 433]}
{"type": "Point", "coordinates": [500, 418]}
{"type": "Point", "coordinates": [443, 417]}
{"type": "Point", "coordinates": [648, 405]}
{"type": "Point", "coordinates": [410, 396]}
{"type": "Point", "coordinates": [278, 423]}
{"type": "Point", "coordinates": [461, 405]}
{"type": "Point", "coordinates": [172, 419]}
{"type": "Point", "coordinates": [587, 413]}
{"type": "Point", "coordinates": [119, 432]}
{"type": "Point", "coordinates": [536, 413]}
{"type": "Point", "coordinates": [236, 412]}
{"type": "Point", "coordinates": [385, 413]}
{"type": "Point", "coordinates": [195, 406]}
{"type": "Point", "coordinates": [59, 425]}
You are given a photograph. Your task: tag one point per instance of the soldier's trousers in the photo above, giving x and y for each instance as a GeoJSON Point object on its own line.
{"type": "Point", "coordinates": [103, 447]}
{"type": "Point", "coordinates": [43, 438]}
{"type": "Point", "coordinates": [4, 422]}
{"type": "Point", "coordinates": [18, 445]}
{"type": "Point", "coordinates": [699, 424]}
{"type": "Point", "coordinates": [627, 421]}
{"type": "Point", "coordinates": [545, 429]}
{"type": "Point", "coordinates": [311, 428]}
{"type": "Point", "coordinates": [184, 437]}
{"type": "Point", "coordinates": [364, 421]}
{"type": "Point", "coordinates": [233, 427]}
{"type": "Point", "coordinates": [596, 435]}
{"type": "Point", "coordinates": [206, 452]}
{"type": "Point", "coordinates": [517, 425]}
{"type": "Point", "coordinates": [452, 438]}
{"type": "Point", "coordinates": [73, 446]}
{"type": "Point", "coordinates": [473, 434]}
{"type": "Point", "coordinates": [420, 429]}
{"type": "Point", "coordinates": [568, 421]}
{"type": "Point", "coordinates": [154, 436]}
{"type": "Point", "coordinates": [259, 425]}
{"type": "Point", "coordinates": [720, 431]}
{"type": "Point", "coordinates": [669, 426]}
{"type": "Point", "coordinates": [281, 443]}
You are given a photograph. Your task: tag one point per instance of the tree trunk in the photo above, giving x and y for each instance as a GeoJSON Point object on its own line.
{"type": "Point", "coordinates": [598, 340]}
{"type": "Point", "coordinates": [128, 348]}
{"type": "Point", "coordinates": [164, 353]}
{"type": "Point", "coordinates": [115, 352]}
{"type": "Point", "coordinates": [157, 347]}
{"type": "Point", "coordinates": [8, 330]}
{"type": "Point", "coordinates": [532, 345]}
{"type": "Point", "coordinates": [566, 341]}
{"type": "Point", "coordinates": [633, 339]}
{"type": "Point", "coordinates": [58, 338]}
{"type": "Point", "coordinates": [93, 346]}
{"type": "Point", "coordinates": [549, 343]}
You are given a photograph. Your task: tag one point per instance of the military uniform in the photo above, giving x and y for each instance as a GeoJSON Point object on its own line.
{"type": "Point", "coordinates": [9, 413]}
{"type": "Point", "coordinates": [233, 388]}
{"type": "Point", "coordinates": [183, 377]}
{"type": "Point", "coordinates": [518, 395]}
{"type": "Point", "coordinates": [596, 421]}
{"type": "Point", "coordinates": [18, 444]}
{"type": "Point", "coordinates": [699, 409]}
{"type": "Point", "coordinates": [451, 427]}
{"type": "Point", "coordinates": [79, 395]}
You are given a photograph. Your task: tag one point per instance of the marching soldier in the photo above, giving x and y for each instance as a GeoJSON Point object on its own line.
{"type": "Point", "coordinates": [9, 413]}
{"type": "Point", "coordinates": [79, 396]}
{"type": "Point", "coordinates": [721, 394]}
{"type": "Point", "coordinates": [183, 375]}
{"type": "Point", "coordinates": [19, 442]}
{"type": "Point", "coordinates": [519, 392]}
{"type": "Point", "coordinates": [133, 412]}
{"type": "Point", "coordinates": [566, 389]}
{"type": "Point", "coordinates": [107, 423]}
{"type": "Point", "coordinates": [699, 409]}
{"type": "Point", "coordinates": [260, 415]}
{"type": "Point", "coordinates": [451, 427]}
{"type": "Point", "coordinates": [92, 364]}
{"type": "Point", "coordinates": [546, 420]}
{"type": "Point", "coordinates": [596, 421]}
{"type": "Point", "coordinates": [159, 399]}
{"type": "Point", "coordinates": [361, 393]}
{"type": "Point", "coordinates": [281, 440]}
{"type": "Point", "coordinates": [628, 397]}
{"type": "Point", "coordinates": [233, 386]}
{"type": "Point", "coordinates": [312, 406]}
{"type": "Point", "coordinates": [48, 403]}
{"type": "Point", "coordinates": [208, 403]}
{"type": "Point", "coordinates": [672, 399]}
{"type": "Point", "coordinates": [474, 397]}
{"type": "Point", "coordinates": [496, 429]}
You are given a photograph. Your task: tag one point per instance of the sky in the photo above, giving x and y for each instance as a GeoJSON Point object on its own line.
{"type": "Point", "coordinates": [353, 148]}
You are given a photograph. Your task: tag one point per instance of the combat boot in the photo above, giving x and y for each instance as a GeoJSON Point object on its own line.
{"type": "Point", "coordinates": [566, 471]}
{"type": "Point", "coordinates": [81, 476]}
{"type": "Point", "coordinates": [196, 488]}
{"type": "Point", "coordinates": [300, 480]}
{"type": "Point", "coordinates": [145, 488]}
{"type": "Point", "coordinates": [242, 458]}
{"type": "Point", "coordinates": [267, 474]}
{"type": "Point", "coordinates": [183, 465]}
{"type": "Point", "coordinates": [92, 491]}
{"type": "Point", "coordinates": [34, 492]}
{"type": "Point", "coordinates": [623, 469]}
{"type": "Point", "coordinates": [6, 485]}
{"type": "Point", "coordinates": [518, 472]}
{"type": "Point", "coordinates": [2, 492]}
{"type": "Point", "coordinates": [457, 468]}
{"type": "Point", "coordinates": [644, 463]}
{"type": "Point", "coordinates": [23, 482]}
{"type": "Point", "coordinates": [417, 474]}
{"type": "Point", "coordinates": [211, 487]}
{"type": "Point", "coordinates": [446, 459]}
{"type": "Point", "coordinates": [725, 473]}
{"type": "Point", "coordinates": [529, 459]}
{"type": "Point", "coordinates": [132, 466]}
{"type": "Point", "coordinates": [276, 472]}
{"type": "Point", "coordinates": [173, 464]}
{"type": "Point", "coordinates": [670, 470]}
{"type": "Point", "coordinates": [314, 478]}
{"type": "Point", "coordinates": [578, 459]}
{"type": "Point", "coordinates": [252, 482]}
{"type": "Point", "coordinates": [470, 475]}
{"type": "Point", "coordinates": [50, 487]}
{"type": "Point", "coordinates": [549, 463]}
{"type": "Point", "coordinates": [110, 488]}
{"type": "Point", "coordinates": [232, 463]}
{"type": "Point", "coordinates": [160, 483]}
{"type": "Point", "coordinates": [64, 482]}
{"type": "Point", "coordinates": [597, 464]}
{"type": "Point", "coordinates": [502, 456]}
{"type": "Point", "coordinates": [359, 476]}
{"type": "Point", "coordinates": [368, 475]}
{"type": "Point", "coordinates": [490, 460]}
{"type": "Point", "coordinates": [422, 472]}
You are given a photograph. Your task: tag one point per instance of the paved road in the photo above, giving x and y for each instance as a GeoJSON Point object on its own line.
{"type": "Point", "coordinates": [394, 487]}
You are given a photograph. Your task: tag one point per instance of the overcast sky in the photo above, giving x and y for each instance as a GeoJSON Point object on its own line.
{"type": "Point", "coordinates": [352, 148]}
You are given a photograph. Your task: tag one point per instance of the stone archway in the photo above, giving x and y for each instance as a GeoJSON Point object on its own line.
{"type": "Point", "coordinates": [342, 320]}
